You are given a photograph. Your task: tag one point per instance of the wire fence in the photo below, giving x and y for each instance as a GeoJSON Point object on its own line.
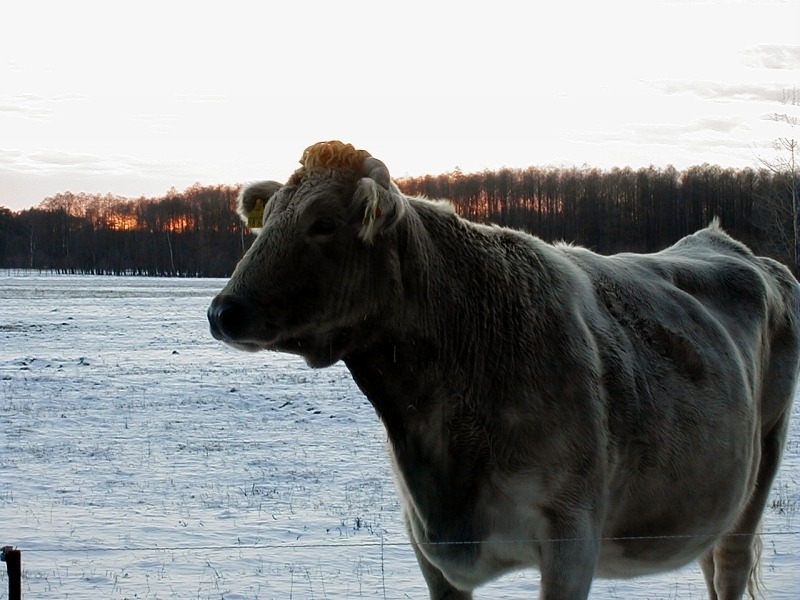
{"type": "Point", "coordinates": [276, 546]}
{"type": "Point", "coordinates": [364, 569]}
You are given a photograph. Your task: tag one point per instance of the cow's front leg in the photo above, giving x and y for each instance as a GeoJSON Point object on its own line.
{"type": "Point", "coordinates": [568, 559]}
{"type": "Point", "coordinates": [438, 587]}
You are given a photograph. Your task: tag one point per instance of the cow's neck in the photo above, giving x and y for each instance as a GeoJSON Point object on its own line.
{"type": "Point", "coordinates": [438, 343]}
{"type": "Point", "coordinates": [438, 367]}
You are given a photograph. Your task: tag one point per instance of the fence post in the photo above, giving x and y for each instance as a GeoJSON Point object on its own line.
{"type": "Point", "coordinates": [13, 560]}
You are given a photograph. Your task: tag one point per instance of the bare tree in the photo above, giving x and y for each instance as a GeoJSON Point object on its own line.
{"type": "Point", "coordinates": [784, 166]}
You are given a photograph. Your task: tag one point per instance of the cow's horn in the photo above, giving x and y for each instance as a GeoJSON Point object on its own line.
{"type": "Point", "coordinates": [376, 170]}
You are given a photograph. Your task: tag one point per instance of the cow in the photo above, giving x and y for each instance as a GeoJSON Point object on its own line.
{"type": "Point", "coordinates": [591, 416]}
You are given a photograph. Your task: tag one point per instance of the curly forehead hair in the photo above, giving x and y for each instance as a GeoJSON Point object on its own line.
{"type": "Point", "coordinates": [331, 155]}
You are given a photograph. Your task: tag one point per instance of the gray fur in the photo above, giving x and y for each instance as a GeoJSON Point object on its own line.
{"type": "Point", "coordinates": [545, 406]}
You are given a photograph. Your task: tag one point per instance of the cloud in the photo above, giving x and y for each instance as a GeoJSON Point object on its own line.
{"type": "Point", "coordinates": [715, 140]}
{"type": "Point", "coordinates": [706, 129]}
{"type": "Point", "coordinates": [156, 123]}
{"type": "Point", "coordinates": [673, 134]}
{"type": "Point", "coordinates": [48, 162]}
{"type": "Point", "coordinates": [201, 98]}
{"type": "Point", "coordinates": [725, 92]}
{"type": "Point", "coordinates": [40, 163]}
{"type": "Point", "coordinates": [32, 106]}
{"type": "Point", "coordinates": [717, 125]}
{"type": "Point", "coordinates": [22, 106]}
{"type": "Point", "coordinates": [8, 157]}
{"type": "Point", "coordinates": [64, 159]}
{"type": "Point", "coordinates": [773, 57]}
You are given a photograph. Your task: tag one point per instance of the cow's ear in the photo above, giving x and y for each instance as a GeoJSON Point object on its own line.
{"type": "Point", "coordinates": [253, 199]}
{"type": "Point", "coordinates": [383, 207]}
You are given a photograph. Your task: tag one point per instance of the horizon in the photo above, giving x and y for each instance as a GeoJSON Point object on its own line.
{"type": "Point", "coordinates": [137, 102]}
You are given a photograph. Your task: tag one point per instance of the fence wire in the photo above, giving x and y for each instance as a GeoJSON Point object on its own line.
{"type": "Point", "coordinates": [379, 544]}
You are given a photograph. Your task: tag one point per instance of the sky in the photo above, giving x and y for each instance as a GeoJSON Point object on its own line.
{"type": "Point", "coordinates": [134, 98]}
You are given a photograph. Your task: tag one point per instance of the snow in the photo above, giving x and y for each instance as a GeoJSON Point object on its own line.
{"type": "Point", "coordinates": [140, 458]}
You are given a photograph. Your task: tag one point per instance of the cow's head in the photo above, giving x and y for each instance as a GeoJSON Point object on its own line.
{"type": "Point", "coordinates": [324, 267]}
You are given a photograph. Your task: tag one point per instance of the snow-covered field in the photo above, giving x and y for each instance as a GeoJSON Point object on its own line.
{"type": "Point", "coordinates": [140, 458]}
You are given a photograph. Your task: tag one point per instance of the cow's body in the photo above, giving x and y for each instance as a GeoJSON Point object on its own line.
{"type": "Point", "coordinates": [546, 406]}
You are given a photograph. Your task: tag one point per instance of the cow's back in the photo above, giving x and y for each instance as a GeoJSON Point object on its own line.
{"type": "Point", "coordinates": [706, 305]}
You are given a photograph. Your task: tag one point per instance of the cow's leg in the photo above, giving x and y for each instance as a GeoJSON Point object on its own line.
{"type": "Point", "coordinates": [438, 587]}
{"type": "Point", "coordinates": [736, 555]}
{"type": "Point", "coordinates": [707, 566]}
{"type": "Point", "coordinates": [568, 559]}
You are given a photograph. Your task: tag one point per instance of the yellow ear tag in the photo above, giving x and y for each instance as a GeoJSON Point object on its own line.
{"type": "Point", "coordinates": [255, 217]}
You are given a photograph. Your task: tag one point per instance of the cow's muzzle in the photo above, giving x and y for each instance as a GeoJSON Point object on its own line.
{"type": "Point", "coordinates": [227, 318]}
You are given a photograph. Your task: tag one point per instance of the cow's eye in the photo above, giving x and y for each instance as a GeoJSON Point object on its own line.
{"type": "Point", "coordinates": [322, 227]}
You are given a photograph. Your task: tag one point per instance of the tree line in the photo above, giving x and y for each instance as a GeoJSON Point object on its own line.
{"type": "Point", "coordinates": [196, 232]}
{"type": "Point", "coordinates": [625, 209]}
{"type": "Point", "coordinates": [193, 233]}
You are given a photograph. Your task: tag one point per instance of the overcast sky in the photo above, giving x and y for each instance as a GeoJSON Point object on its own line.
{"type": "Point", "coordinates": [133, 98]}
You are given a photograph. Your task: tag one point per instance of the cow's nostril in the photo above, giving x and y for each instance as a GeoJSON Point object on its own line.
{"type": "Point", "coordinates": [227, 318]}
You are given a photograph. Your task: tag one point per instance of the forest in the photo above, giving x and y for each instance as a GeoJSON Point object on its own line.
{"type": "Point", "coordinates": [196, 232]}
